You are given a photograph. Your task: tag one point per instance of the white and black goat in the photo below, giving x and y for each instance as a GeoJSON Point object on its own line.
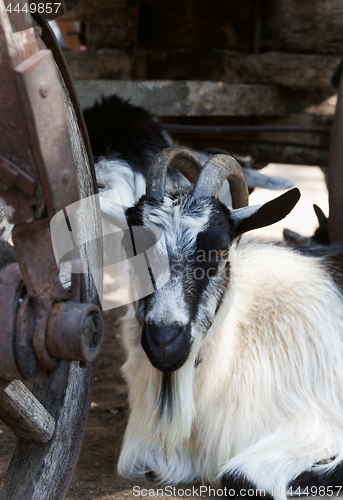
{"type": "Point", "coordinates": [319, 237]}
{"type": "Point", "coordinates": [234, 366]}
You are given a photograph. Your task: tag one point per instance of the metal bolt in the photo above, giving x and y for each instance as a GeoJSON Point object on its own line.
{"type": "Point", "coordinates": [65, 177]}
{"type": "Point", "coordinates": [44, 89]}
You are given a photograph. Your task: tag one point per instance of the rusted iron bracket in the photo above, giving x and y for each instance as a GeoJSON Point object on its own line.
{"type": "Point", "coordinates": [43, 325]}
{"type": "Point", "coordinates": [31, 347]}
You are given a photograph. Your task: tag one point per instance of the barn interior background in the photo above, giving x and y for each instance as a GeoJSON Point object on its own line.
{"type": "Point", "coordinates": [274, 65]}
{"type": "Point", "coordinates": [242, 63]}
{"type": "Point", "coordinates": [270, 62]}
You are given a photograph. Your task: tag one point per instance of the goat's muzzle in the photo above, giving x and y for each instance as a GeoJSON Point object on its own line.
{"type": "Point", "coordinates": [167, 347]}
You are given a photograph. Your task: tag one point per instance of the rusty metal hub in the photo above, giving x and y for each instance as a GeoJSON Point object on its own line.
{"type": "Point", "coordinates": [73, 331]}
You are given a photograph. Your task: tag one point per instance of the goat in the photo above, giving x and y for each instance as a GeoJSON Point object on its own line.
{"type": "Point", "coordinates": [319, 237]}
{"type": "Point", "coordinates": [234, 364]}
{"type": "Point", "coordinates": [235, 373]}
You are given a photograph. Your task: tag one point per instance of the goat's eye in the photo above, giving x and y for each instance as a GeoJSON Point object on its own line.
{"type": "Point", "coordinates": [218, 255]}
{"type": "Point", "coordinates": [223, 253]}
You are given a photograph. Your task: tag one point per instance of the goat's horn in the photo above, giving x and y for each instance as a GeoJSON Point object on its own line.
{"type": "Point", "coordinates": [215, 171]}
{"type": "Point", "coordinates": [178, 158]}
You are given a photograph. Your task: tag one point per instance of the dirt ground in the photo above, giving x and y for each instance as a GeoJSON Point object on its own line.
{"type": "Point", "coordinates": [96, 477]}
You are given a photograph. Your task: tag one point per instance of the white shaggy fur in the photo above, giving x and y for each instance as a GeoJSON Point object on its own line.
{"type": "Point", "coordinates": [267, 398]}
{"type": "Point", "coordinates": [118, 174]}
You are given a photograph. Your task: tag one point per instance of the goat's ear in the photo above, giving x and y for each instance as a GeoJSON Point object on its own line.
{"type": "Point", "coordinates": [254, 178]}
{"type": "Point", "coordinates": [248, 218]}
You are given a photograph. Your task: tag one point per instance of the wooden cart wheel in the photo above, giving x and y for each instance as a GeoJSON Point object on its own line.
{"type": "Point", "coordinates": [44, 471]}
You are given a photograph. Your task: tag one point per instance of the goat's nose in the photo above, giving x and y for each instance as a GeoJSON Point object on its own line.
{"type": "Point", "coordinates": [167, 347]}
{"type": "Point", "coordinates": [164, 335]}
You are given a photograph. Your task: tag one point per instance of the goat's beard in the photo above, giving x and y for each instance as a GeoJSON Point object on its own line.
{"type": "Point", "coordinates": [162, 409]}
{"type": "Point", "coordinates": [166, 397]}
{"type": "Point", "coordinates": [174, 413]}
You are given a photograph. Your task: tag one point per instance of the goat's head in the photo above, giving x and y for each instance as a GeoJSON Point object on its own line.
{"type": "Point", "coordinates": [198, 231]}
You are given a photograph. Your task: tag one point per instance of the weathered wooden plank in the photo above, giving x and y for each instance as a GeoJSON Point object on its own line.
{"type": "Point", "coordinates": [311, 26]}
{"type": "Point", "coordinates": [262, 152]}
{"type": "Point", "coordinates": [203, 98]}
{"type": "Point", "coordinates": [279, 68]}
{"type": "Point", "coordinates": [101, 64]}
{"type": "Point", "coordinates": [24, 415]}
{"type": "Point", "coordinates": [188, 98]}
{"type": "Point", "coordinates": [43, 468]}
{"type": "Point", "coordinates": [297, 71]}
{"type": "Point", "coordinates": [286, 153]}
{"type": "Point", "coordinates": [289, 70]}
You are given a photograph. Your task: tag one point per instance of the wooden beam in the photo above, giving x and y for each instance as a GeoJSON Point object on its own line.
{"type": "Point", "coordinates": [311, 26]}
{"type": "Point", "coordinates": [188, 98]}
{"type": "Point", "coordinates": [298, 71]}
{"type": "Point", "coordinates": [288, 153]}
{"type": "Point", "coordinates": [101, 64]}
{"type": "Point", "coordinates": [336, 174]}
{"type": "Point", "coordinates": [24, 415]}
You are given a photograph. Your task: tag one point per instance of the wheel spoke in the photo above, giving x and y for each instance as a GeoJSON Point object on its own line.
{"type": "Point", "coordinates": [24, 415]}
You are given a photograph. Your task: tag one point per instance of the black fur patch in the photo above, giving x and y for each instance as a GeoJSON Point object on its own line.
{"type": "Point", "coordinates": [121, 130]}
{"type": "Point", "coordinates": [321, 234]}
{"type": "Point", "coordinates": [197, 361]}
{"type": "Point", "coordinates": [204, 263]}
{"type": "Point", "coordinates": [165, 398]}
{"type": "Point", "coordinates": [134, 215]}
{"type": "Point", "coordinates": [241, 486]}
{"type": "Point", "coordinates": [7, 254]}
{"type": "Point", "coordinates": [311, 479]}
